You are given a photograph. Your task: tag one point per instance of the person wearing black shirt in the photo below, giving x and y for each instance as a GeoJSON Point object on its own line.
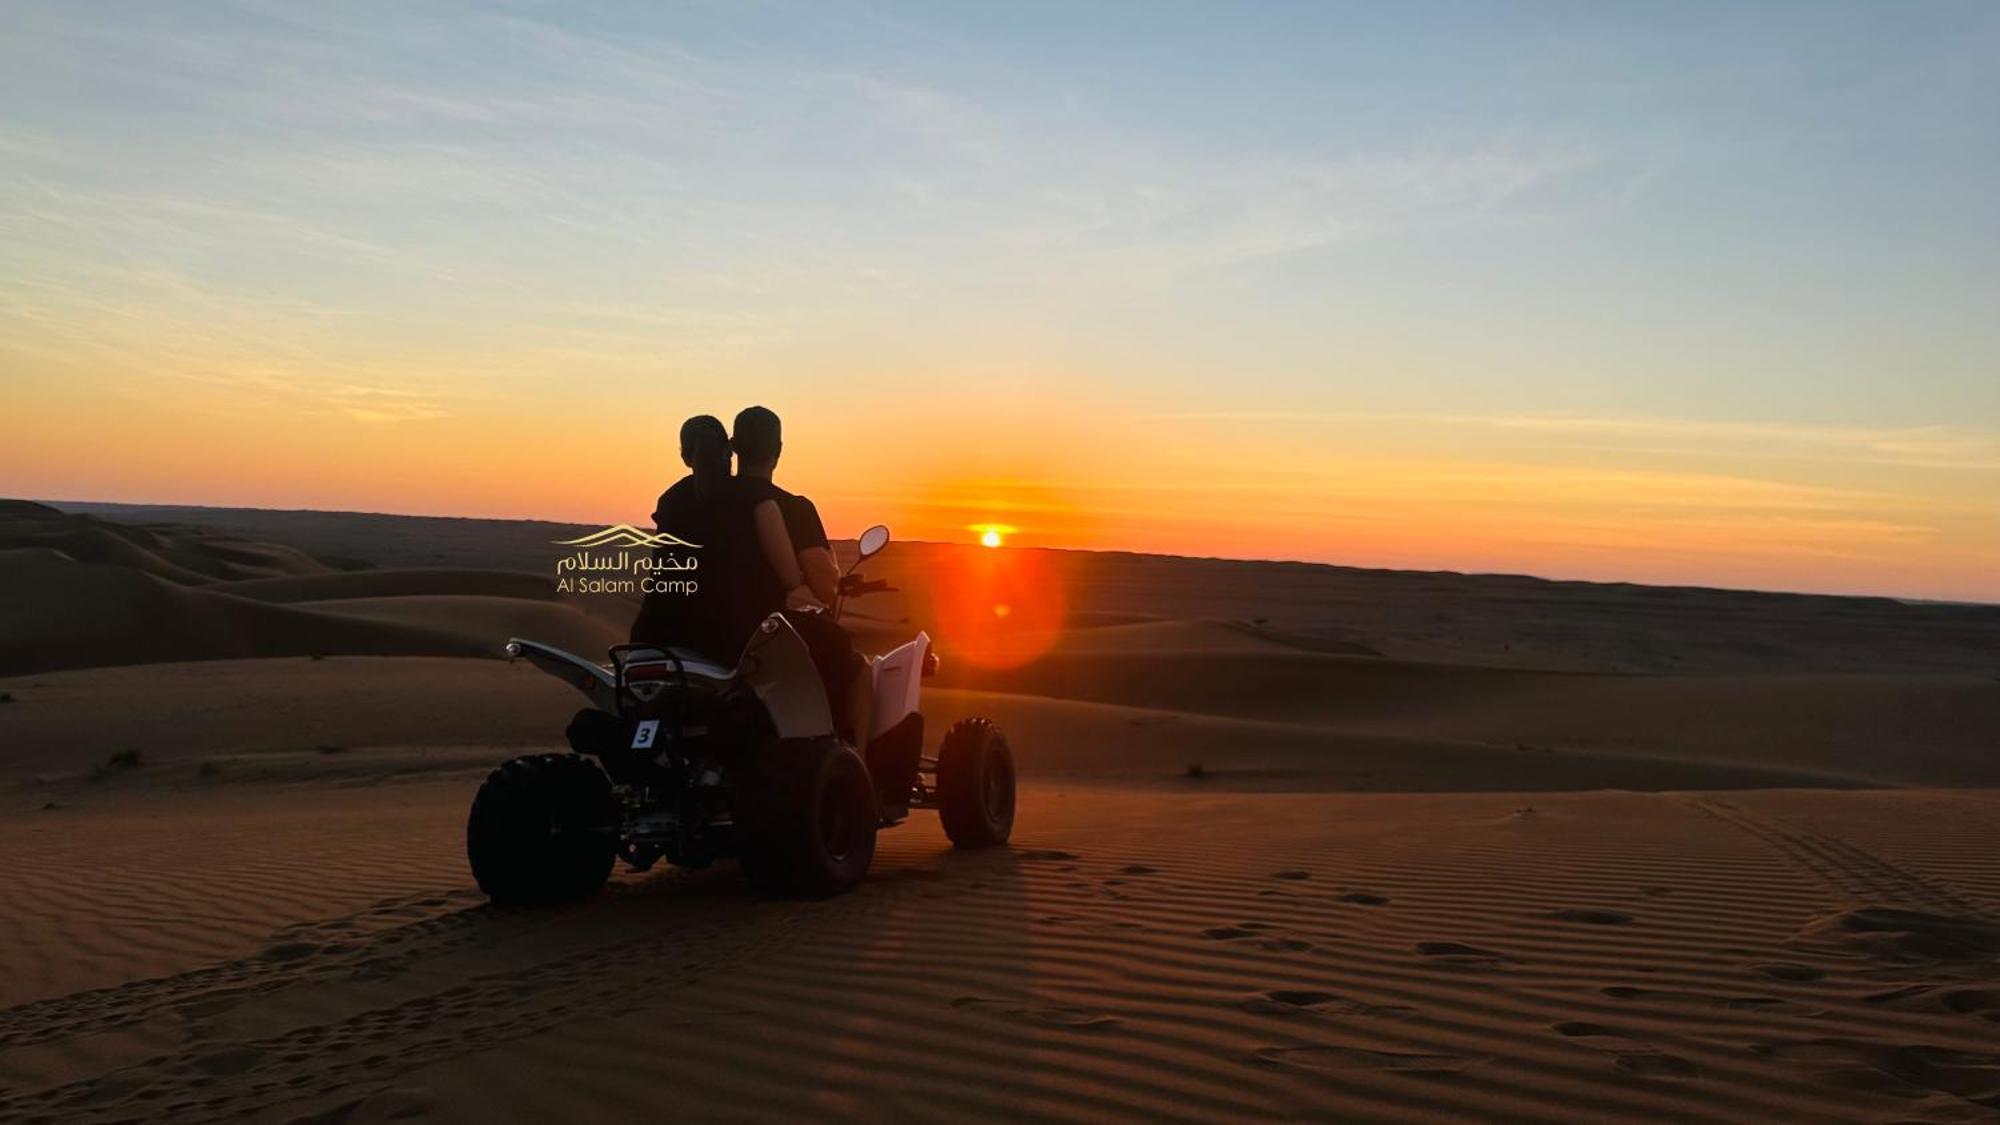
{"type": "Point", "coordinates": [799, 576]}
{"type": "Point", "coordinates": [695, 510]}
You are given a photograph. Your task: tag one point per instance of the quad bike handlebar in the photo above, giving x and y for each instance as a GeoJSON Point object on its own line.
{"type": "Point", "coordinates": [853, 586]}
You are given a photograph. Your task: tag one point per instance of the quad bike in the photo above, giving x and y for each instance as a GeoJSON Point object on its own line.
{"type": "Point", "coordinates": [682, 759]}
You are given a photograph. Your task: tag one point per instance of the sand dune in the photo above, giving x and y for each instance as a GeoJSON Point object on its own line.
{"type": "Point", "coordinates": [1135, 955]}
{"type": "Point", "coordinates": [1156, 748]}
{"type": "Point", "coordinates": [1814, 733]}
{"type": "Point", "coordinates": [177, 553]}
{"type": "Point", "coordinates": [95, 593]}
{"type": "Point", "coordinates": [1162, 636]}
{"type": "Point", "coordinates": [393, 584]}
{"type": "Point", "coordinates": [483, 621]}
{"type": "Point", "coordinates": [1434, 617]}
{"type": "Point", "coordinates": [84, 614]}
{"type": "Point", "coordinates": [62, 725]}
{"type": "Point", "coordinates": [1458, 847]}
{"type": "Point", "coordinates": [1909, 729]}
{"type": "Point", "coordinates": [1494, 620]}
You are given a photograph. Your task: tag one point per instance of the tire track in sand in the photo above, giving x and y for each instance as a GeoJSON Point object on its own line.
{"type": "Point", "coordinates": [1850, 871]}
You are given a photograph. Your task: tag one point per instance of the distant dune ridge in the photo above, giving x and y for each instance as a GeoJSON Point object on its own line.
{"type": "Point", "coordinates": [1442, 617]}
{"type": "Point", "coordinates": [86, 591]}
{"type": "Point", "coordinates": [1268, 674]}
{"type": "Point", "coordinates": [1295, 843]}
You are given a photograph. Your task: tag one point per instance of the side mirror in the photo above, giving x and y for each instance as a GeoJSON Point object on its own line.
{"type": "Point", "coordinates": [872, 541]}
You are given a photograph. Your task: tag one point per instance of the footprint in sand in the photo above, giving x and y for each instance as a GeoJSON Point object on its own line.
{"type": "Point", "coordinates": [204, 1007]}
{"type": "Point", "coordinates": [290, 951]}
{"type": "Point", "coordinates": [1592, 917]}
{"type": "Point", "coordinates": [1458, 953]}
{"type": "Point", "coordinates": [1981, 1002]}
{"type": "Point", "coordinates": [1899, 1069]}
{"type": "Point", "coordinates": [1362, 898]}
{"type": "Point", "coordinates": [1657, 1064]}
{"type": "Point", "coordinates": [1255, 929]}
{"type": "Point", "coordinates": [1309, 1001]}
{"type": "Point", "coordinates": [1292, 874]}
{"type": "Point", "coordinates": [1043, 855]}
{"type": "Point", "coordinates": [221, 1064]}
{"type": "Point", "coordinates": [1891, 934]}
{"type": "Point", "coordinates": [383, 1105]}
{"type": "Point", "coordinates": [100, 1090]}
{"type": "Point", "coordinates": [1037, 1015]}
{"type": "Point", "coordinates": [1357, 1058]}
{"type": "Point", "coordinates": [1300, 997]}
{"type": "Point", "coordinates": [378, 968]}
{"type": "Point", "coordinates": [1138, 869]}
{"type": "Point", "coordinates": [1797, 974]}
{"type": "Point", "coordinates": [1707, 999]}
{"type": "Point", "coordinates": [1627, 1053]}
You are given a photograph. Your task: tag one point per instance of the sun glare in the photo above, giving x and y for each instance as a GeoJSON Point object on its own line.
{"type": "Point", "coordinates": [991, 534]}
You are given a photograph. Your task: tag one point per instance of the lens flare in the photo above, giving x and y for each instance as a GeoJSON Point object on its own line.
{"type": "Point", "coordinates": [998, 609]}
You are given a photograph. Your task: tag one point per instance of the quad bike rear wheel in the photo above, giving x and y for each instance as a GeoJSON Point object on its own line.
{"type": "Point", "coordinates": [807, 827]}
{"type": "Point", "coordinates": [543, 829]}
{"type": "Point", "coordinates": [975, 784]}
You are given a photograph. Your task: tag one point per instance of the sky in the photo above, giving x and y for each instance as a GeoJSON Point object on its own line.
{"type": "Point", "coordinates": [1677, 293]}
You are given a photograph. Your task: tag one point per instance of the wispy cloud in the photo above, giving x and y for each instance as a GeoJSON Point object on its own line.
{"type": "Point", "coordinates": [612, 205]}
{"type": "Point", "coordinates": [385, 404]}
{"type": "Point", "coordinates": [1918, 447]}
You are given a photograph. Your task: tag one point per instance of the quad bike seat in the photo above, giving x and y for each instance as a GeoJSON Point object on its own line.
{"type": "Point", "coordinates": [699, 664]}
{"type": "Point", "coordinates": [695, 663]}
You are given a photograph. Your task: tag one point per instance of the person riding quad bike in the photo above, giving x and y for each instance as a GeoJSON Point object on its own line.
{"type": "Point", "coordinates": [765, 552]}
{"type": "Point", "coordinates": [688, 760]}
{"type": "Point", "coordinates": [790, 758]}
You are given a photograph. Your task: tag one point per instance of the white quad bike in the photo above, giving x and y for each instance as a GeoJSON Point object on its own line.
{"type": "Point", "coordinates": [682, 759]}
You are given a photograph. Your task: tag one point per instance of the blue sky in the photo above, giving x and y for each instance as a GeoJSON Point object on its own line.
{"type": "Point", "coordinates": [1750, 246]}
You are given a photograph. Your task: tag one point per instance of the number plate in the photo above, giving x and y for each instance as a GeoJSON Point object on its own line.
{"type": "Point", "coordinates": [642, 738]}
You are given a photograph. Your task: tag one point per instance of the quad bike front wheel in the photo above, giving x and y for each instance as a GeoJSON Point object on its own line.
{"type": "Point", "coordinates": [975, 784]}
{"type": "Point", "coordinates": [806, 828]}
{"type": "Point", "coordinates": [543, 829]}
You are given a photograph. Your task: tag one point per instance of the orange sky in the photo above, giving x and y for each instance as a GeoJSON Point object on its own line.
{"type": "Point", "coordinates": [1568, 497]}
{"type": "Point", "coordinates": [1582, 292]}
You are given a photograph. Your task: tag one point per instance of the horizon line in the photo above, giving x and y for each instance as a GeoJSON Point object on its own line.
{"type": "Point", "coordinates": [1905, 599]}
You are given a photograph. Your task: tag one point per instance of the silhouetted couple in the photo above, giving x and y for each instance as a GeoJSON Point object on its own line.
{"type": "Point", "coordinates": [763, 550]}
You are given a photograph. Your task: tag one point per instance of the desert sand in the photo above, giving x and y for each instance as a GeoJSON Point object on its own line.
{"type": "Point", "coordinates": [1295, 842]}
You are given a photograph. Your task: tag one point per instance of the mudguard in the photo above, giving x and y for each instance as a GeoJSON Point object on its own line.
{"type": "Point", "coordinates": [777, 666]}
{"type": "Point", "coordinates": [590, 678]}
{"type": "Point", "coordinates": [897, 675]}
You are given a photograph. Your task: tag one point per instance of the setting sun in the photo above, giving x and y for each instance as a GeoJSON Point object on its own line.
{"type": "Point", "coordinates": [992, 534]}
